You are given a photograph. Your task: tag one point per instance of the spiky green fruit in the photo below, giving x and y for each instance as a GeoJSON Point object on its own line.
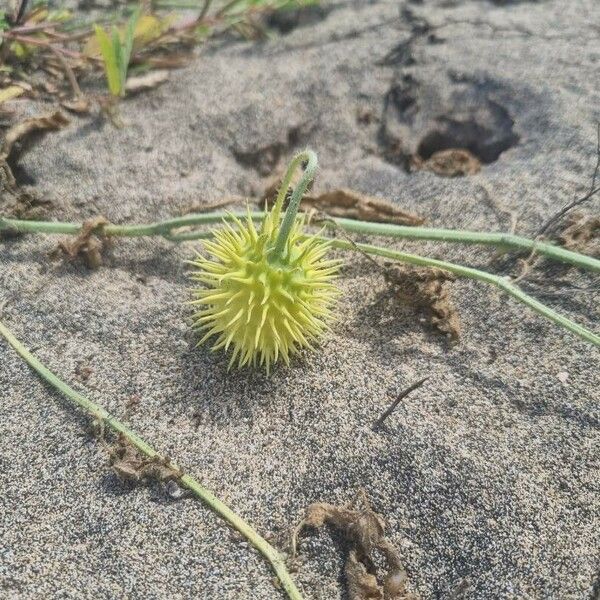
{"type": "Point", "coordinates": [264, 308]}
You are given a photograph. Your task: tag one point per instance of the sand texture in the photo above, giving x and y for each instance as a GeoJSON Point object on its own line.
{"type": "Point", "coordinates": [488, 476]}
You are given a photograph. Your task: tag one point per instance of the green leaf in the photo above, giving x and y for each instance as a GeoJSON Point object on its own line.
{"type": "Point", "coordinates": [128, 46]}
{"type": "Point", "coordinates": [111, 64]}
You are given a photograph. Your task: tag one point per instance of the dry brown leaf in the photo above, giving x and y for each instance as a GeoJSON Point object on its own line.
{"type": "Point", "coordinates": [581, 234]}
{"type": "Point", "coordinates": [448, 163]}
{"type": "Point", "coordinates": [147, 81]}
{"type": "Point", "coordinates": [130, 465]}
{"type": "Point", "coordinates": [364, 530]}
{"type": "Point", "coordinates": [17, 133]}
{"type": "Point", "coordinates": [169, 61]}
{"type": "Point", "coordinates": [354, 205]}
{"type": "Point", "coordinates": [426, 288]}
{"type": "Point", "coordinates": [349, 204]}
{"type": "Point", "coordinates": [16, 202]}
{"type": "Point", "coordinates": [86, 245]}
{"type": "Point", "coordinates": [77, 105]}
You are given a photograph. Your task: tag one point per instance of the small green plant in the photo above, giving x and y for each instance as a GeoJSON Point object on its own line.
{"type": "Point", "coordinates": [267, 293]}
{"type": "Point", "coordinates": [116, 53]}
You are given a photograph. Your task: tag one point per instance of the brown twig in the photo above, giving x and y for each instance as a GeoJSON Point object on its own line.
{"type": "Point", "coordinates": [377, 425]}
{"type": "Point", "coordinates": [204, 10]}
{"type": "Point", "coordinates": [77, 93]}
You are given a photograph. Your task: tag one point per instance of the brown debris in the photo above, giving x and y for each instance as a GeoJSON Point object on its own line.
{"type": "Point", "coordinates": [425, 288]}
{"type": "Point", "coordinates": [349, 204]}
{"type": "Point", "coordinates": [582, 234]}
{"type": "Point", "coordinates": [364, 530]}
{"type": "Point", "coordinates": [454, 162]}
{"type": "Point", "coordinates": [130, 465]}
{"type": "Point", "coordinates": [147, 81]}
{"type": "Point", "coordinates": [15, 202]}
{"type": "Point", "coordinates": [86, 245]}
{"type": "Point", "coordinates": [24, 129]}
{"type": "Point", "coordinates": [79, 105]}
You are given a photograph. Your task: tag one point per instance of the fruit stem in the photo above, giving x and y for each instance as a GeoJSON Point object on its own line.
{"type": "Point", "coordinates": [310, 158]}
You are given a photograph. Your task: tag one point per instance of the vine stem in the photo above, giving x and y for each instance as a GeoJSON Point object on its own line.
{"type": "Point", "coordinates": [310, 170]}
{"type": "Point", "coordinates": [497, 240]}
{"type": "Point", "coordinates": [99, 413]}
{"type": "Point", "coordinates": [470, 273]}
{"type": "Point", "coordinates": [500, 241]}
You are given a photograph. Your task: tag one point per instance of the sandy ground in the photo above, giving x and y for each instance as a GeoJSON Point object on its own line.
{"type": "Point", "coordinates": [488, 476]}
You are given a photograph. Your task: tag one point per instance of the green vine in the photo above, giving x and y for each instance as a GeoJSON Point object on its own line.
{"type": "Point", "coordinates": [107, 420]}
{"type": "Point", "coordinates": [167, 229]}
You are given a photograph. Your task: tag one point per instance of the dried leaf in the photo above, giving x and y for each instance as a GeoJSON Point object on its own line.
{"type": "Point", "coordinates": [130, 465]}
{"type": "Point", "coordinates": [364, 530]}
{"type": "Point", "coordinates": [361, 584]}
{"type": "Point", "coordinates": [426, 289]}
{"type": "Point", "coordinates": [448, 163]}
{"type": "Point", "coordinates": [169, 61]}
{"type": "Point", "coordinates": [354, 205]}
{"type": "Point", "coordinates": [18, 132]}
{"type": "Point", "coordinates": [147, 81]}
{"type": "Point", "coordinates": [11, 92]}
{"type": "Point", "coordinates": [351, 205]}
{"type": "Point", "coordinates": [16, 202]}
{"type": "Point", "coordinates": [78, 105]}
{"type": "Point", "coordinates": [581, 234]}
{"type": "Point", "coordinates": [86, 244]}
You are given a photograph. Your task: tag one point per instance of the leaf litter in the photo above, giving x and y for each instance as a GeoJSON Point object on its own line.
{"type": "Point", "coordinates": [454, 162]}
{"type": "Point", "coordinates": [427, 289]}
{"type": "Point", "coordinates": [14, 201]}
{"type": "Point", "coordinates": [582, 234]}
{"type": "Point", "coordinates": [348, 204]}
{"type": "Point", "coordinates": [87, 245]}
{"type": "Point", "coordinates": [364, 531]}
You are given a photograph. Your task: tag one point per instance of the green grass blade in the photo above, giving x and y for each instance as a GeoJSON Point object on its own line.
{"type": "Point", "coordinates": [109, 56]}
{"type": "Point", "coordinates": [127, 47]}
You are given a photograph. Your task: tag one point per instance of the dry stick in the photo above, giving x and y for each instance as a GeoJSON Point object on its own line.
{"type": "Point", "coordinates": [106, 419]}
{"type": "Point", "coordinates": [395, 403]}
{"type": "Point", "coordinates": [77, 93]}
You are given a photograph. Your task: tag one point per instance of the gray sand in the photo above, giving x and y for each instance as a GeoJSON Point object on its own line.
{"type": "Point", "coordinates": [489, 474]}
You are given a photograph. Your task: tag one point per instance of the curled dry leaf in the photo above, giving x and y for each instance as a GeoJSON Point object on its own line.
{"type": "Point", "coordinates": [364, 530]}
{"type": "Point", "coordinates": [448, 163]}
{"type": "Point", "coordinates": [350, 204]}
{"type": "Point", "coordinates": [147, 81]}
{"type": "Point", "coordinates": [130, 465]}
{"type": "Point", "coordinates": [78, 105]}
{"type": "Point", "coordinates": [24, 129]}
{"type": "Point", "coordinates": [354, 205]}
{"type": "Point", "coordinates": [582, 234]}
{"type": "Point", "coordinates": [426, 288]}
{"type": "Point", "coordinates": [87, 245]}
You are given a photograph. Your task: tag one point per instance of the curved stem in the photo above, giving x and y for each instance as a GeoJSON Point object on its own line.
{"type": "Point", "coordinates": [501, 241]}
{"type": "Point", "coordinates": [471, 273]}
{"type": "Point", "coordinates": [310, 158]}
{"type": "Point", "coordinates": [96, 411]}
